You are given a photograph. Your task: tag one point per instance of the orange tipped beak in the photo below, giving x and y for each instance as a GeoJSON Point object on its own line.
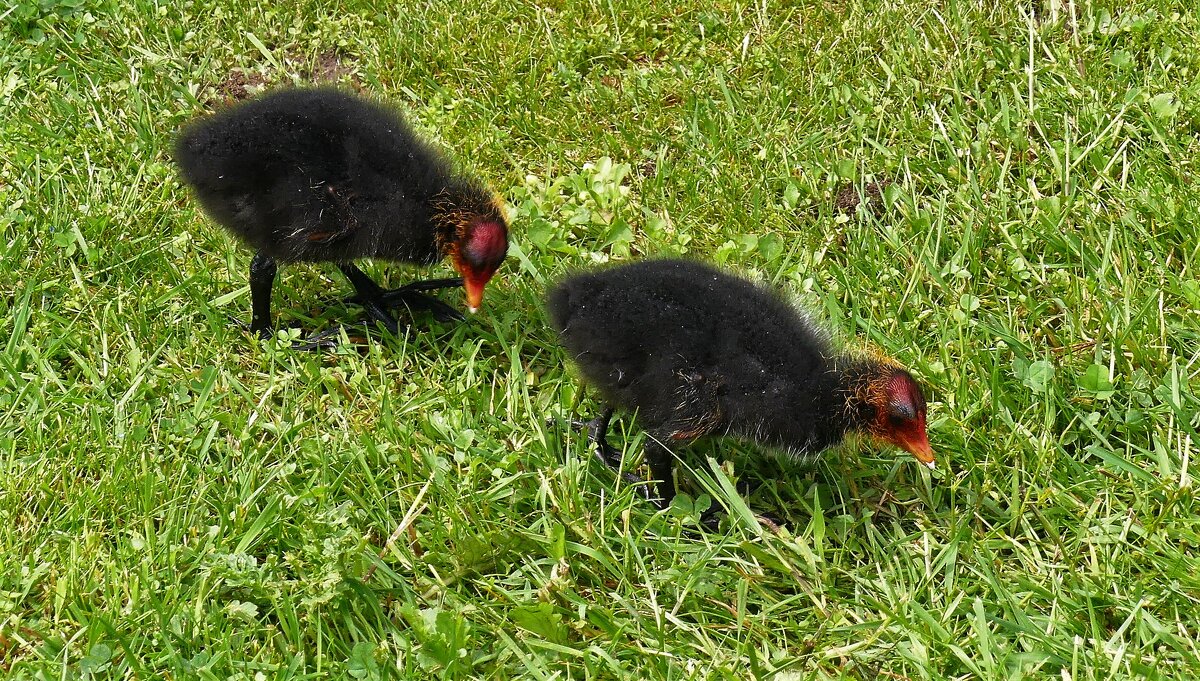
{"type": "Point", "coordinates": [474, 289]}
{"type": "Point", "coordinates": [919, 447]}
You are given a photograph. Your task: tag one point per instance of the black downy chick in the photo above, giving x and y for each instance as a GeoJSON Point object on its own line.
{"type": "Point", "coordinates": [696, 352]}
{"type": "Point", "coordinates": [320, 175]}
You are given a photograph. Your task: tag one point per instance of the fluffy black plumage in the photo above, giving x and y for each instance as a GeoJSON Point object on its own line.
{"type": "Point", "coordinates": [695, 351]}
{"type": "Point", "coordinates": [320, 175]}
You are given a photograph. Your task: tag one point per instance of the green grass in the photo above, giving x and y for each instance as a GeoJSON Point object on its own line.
{"type": "Point", "coordinates": [180, 500]}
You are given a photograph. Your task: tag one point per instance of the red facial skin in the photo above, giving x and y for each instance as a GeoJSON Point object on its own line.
{"type": "Point", "coordinates": [900, 417]}
{"type": "Point", "coordinates": [480, 252]}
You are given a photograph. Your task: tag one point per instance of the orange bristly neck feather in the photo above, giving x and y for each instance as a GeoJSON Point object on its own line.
{"type": "Point", "coordinates": [453, 215]}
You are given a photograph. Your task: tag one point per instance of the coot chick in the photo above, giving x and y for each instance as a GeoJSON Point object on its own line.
{"type": "Point", "coordinates": [694, 352]}
{"type": "Point", "coordinates": [320, 175]}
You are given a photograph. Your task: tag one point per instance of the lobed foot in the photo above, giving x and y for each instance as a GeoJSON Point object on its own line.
{"type": "Point", "coordinates": [610, 456]}
{"type": "Point", "coordinates": [327, 340]}
{"type": "Point", "coordinates": [412, 297]}
{"type": "Point", "coordinates": [359, 333]}
{"type": "Point", "coordinates": [263, 331]}
{"type": "Point", "coordinates": [711, 518]}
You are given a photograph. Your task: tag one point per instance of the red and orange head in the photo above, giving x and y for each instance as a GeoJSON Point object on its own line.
{"type": "Point", "coordinates": [893, 409]}
{"type": "Point", "coordinates": [476, 240]}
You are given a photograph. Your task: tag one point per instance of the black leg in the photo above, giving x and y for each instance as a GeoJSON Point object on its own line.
{"type": "Point", "coordinates": [370, 296]}
{"type": "Point", "coordinates": [610, 456]}
{"type": "Point", "coordinates": [597, 430]}
{"type": "Point", "coordinates": [411, 296]}
{"type": "Point", "coordinates": [365, 287]}
{"type": "Point", "coordinates": [262, 278]}
{"type": "Point", "coordinates": [659, 458]}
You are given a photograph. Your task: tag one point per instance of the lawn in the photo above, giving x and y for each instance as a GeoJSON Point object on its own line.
{"type": "Point", "coordinates": [1002, 196]}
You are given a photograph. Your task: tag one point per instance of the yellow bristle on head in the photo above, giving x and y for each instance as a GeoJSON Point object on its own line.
{"type": "Point", "coordinates": [869, 386]}
{"type": "Point", "coordinates": [454, 213]}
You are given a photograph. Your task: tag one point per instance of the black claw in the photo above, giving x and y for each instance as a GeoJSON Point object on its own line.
{"type": "Point", "coordinates": [324, 340]}
{"type": "Point", "coordinates": [710, 519]}
{"type": "Point", "coordinates": [377, 313]}
{"type": "Point", "coordinates": [411, 297]}
{"type": "Point", "coordinates": [412, 300]}
{"type": "Point", "coordinates": [427, 285]}
{"type": "Point", "coordinates": [611, 457]}
{"type": "Point", "coordinates": [440, 311]}
{"type": "Point", "coordinates": [359, 333]}
{"type": "Point", "coordinates": [398, 296]}
{"type": "Point", "coordinates": [239, 324]}
{"type": "Point", "coordinates": [395, 296]}
{"type": "Point", "coordinates": [608, 455]}
{"type": "Point", "coordinates": [658, 458]}
{"type": "Point", "coordinates": [264, 332]}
